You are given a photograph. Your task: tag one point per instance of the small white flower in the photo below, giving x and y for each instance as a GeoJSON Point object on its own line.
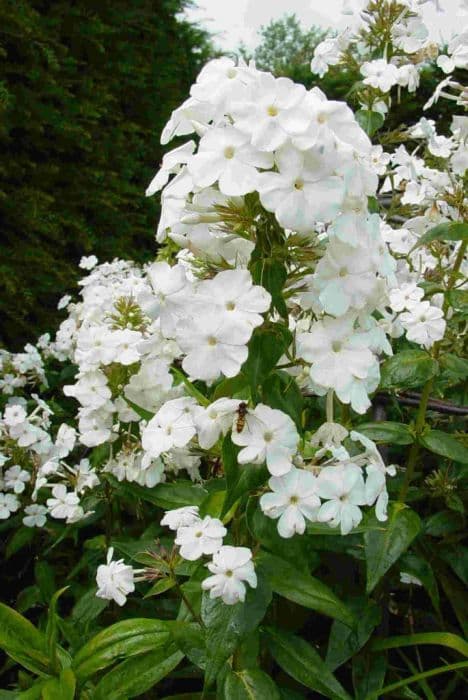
{"type": "Point", "coordinates": [215, 420]}
{"type": "Point", "coordinates": [8, 504]}
{"type": "Point", "coordinates": [65, 440]}
{"type": "Point", "coordinates": [63, 302]}
{"type": "Point", "coordinates": [294, 500]}
{"type": "Point", "coordinates": [14, 415]}
{"type": "Point", "coordinates": [180, 517]}
{"type": "Point", "coordinates": [213, 345]}
{"type": "Point", "coordinates": [231, 566]}
{"type": "Point", "coordinates": [16, 479]}
{"type": "Point", "coordinates": [407, 296]}
{"type": "Point", "coordinates": [35, 515]}
{"type": "Point", "coordinates": [343, 488]}
{"type": "Point", "coordinates": [115, 580]}
{"type": "Point", "coordinates": [64, 503]}
{"type": "Point", "coordinates": [268, 435]}
{"type": "Point", "coordinates": [424, 324]}
{"type": "Point", "coordinates": [172, 426]}
{"type": "Point", "coordinates": [225, 155]}
{"type": "Point", "coordinates": [88, 262]}
{"type": "Point", "coordinates": [202, 537]}
{"type": "Point", "coordinates": [379, 74]}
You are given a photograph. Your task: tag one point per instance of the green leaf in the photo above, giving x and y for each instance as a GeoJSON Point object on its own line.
{"type": "Point", "coordinates": [239, 479]}
{"type": "Point", "coordinates": [190, 387]}
{"type": "Point", "coordinates": [449, 231]}
{"type": "Point", "coordinates": [444, 523]}
{"type": "Point", "coordinates": [22, 641]}
{"type": "Point", "coordinates": [409, 368]}
{"type": "Point", "coordinates": [272, 275]}
{"type": "Point", "coordinates": [61, 688]}
{"type": "Point", "coordinates": [386, 432]}
{"type": "Point", "coordinates": [119, 641]}
{"type": "Point", "coordinates": [234, 387]}
{"type": "Point", "coordinates": [303, 589]}
{"type": "Point", "coordinates": [190, 639]}
{"type": "Point", "coordinates": [417, 566]}
{"type": "Point", "coordinates": [300, 661]}
{"type": "Point", "coordinates": [267, 345]}
{"type": "Point", "coordinates": [250, 684]}
{"type": "Point", "coordinates": [369, 121]}
{"type": "Point", "coordinates": [51, 628]}
{"type": "Point", "coordinates": [344, 642]}
{"type": "Point", "coordinates": [135, 676]}
{"type": "Point", "coordinates": [445, 639]}
{"type": "Point", "coordinates": [227, 625]}
{"type": "Point", "coordinates": [88, 607]}
{"type": "Point", "coordinates": [457, 366]}
{"type": "Point", "coordinates": [45, 579]}
{"type": "Point", "coordinates": [281, 391]}
{"type": "Point", "coordinates": [142, 412]}
{"type": "Point", "coordinates": [21, 538]}
{"type": "Point", "coordinates": [167, 496]}
{"type": "Point", "coordinates": [368, 674]}
{"type": "Point", "coordinates": [161, 586]}
{"type": "Point", "coordinates": [385, 546]}
{"type": "Point", "coordinates": [445, 445]}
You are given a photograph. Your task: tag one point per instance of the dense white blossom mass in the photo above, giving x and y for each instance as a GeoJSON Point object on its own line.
{"type": "Point", "coordinates": [274, 183]}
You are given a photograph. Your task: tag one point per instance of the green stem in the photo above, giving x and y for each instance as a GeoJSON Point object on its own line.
{"type": "Point", "coordinates": [330, 406]}
{"type": "Point", "coordinates": [188, 604]}
{"type": "Point", "coordinates": [415, 447]}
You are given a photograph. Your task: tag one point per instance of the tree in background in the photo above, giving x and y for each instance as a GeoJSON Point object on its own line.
{"type": "Point", "coordinates": [86, 88]}
{"type": "Point", "coordinates": [286, 48]}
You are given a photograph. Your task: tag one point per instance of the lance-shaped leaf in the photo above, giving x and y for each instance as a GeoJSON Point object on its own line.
{"type": "Point", "coordinates": [303, 589]}
{"type": "Point", "coordinates": [383, 547]}
{"type": "Point", "coordinates": [249, 684]}
{"type": "Point", "coordinates": [119, 641]}
{"type": "Point", "coordinates": [303, 663]}
{"type": "Point", "coordinates": [136, 675]}
{"type": "Point", "coordinates": [23, 642]}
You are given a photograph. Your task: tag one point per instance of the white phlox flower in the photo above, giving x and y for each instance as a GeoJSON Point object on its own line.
{"type": "Point", "coordinates": [294, 500]}
{"type": "Point", "coordinates": [343, 489]}
{"type": "Point", "coordinates": [215, 420]}
{"type": "Point", "coordinates": [180, 517]}
{"type": "Point", "coordinates": [201, 537]}
{"type": "Point", "coordinates": [115, 580]}
{"type": "Point", "coordinates": [231, 567]}
{"type": "Point", "coordinates": [172, 426]}
{"type": "Point", "coordinates": [379, 74]}
{"type": "Point", "coordinates": [270, 436]}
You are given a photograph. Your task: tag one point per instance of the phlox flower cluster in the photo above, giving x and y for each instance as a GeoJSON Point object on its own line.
{"type": "Point", "coordinates": [231, 567]}
{"type": "Point", "coordinates": [411, 48]}
{"type": "Point", "coordinates": [34, 478]}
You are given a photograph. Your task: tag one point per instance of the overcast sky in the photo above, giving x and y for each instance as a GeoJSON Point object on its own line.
{"type": "Point", "coordinates": [235, 20]}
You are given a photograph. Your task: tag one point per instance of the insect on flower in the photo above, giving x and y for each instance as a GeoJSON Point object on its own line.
{"type": "Point", "coordinates": [241, 416]}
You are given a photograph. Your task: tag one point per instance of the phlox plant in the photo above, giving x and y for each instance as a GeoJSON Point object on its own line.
{"type": "Point", "coordinates": [241, 466]}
